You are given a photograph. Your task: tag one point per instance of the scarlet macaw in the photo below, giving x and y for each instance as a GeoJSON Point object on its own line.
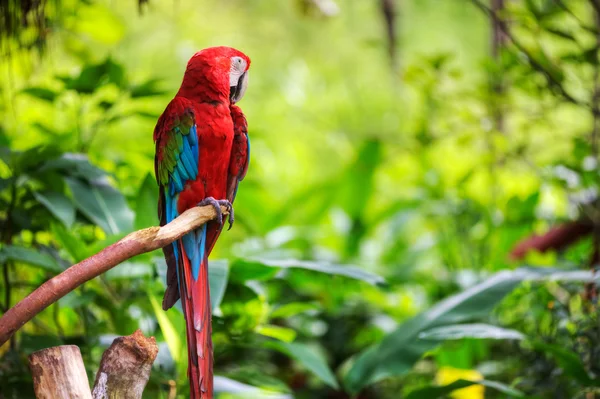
{"type": "Point", "coordinates": [202, 153]}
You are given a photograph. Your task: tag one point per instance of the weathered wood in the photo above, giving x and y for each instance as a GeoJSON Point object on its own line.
{"type": "Point", "coordinates": [59, 373]}
{"type": "Point", "coordinates": [136, 243]}
{"type": "Point", "coordinates": [125, 367]}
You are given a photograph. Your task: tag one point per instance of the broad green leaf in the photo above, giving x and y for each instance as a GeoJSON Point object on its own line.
{"type": "Point", "coordinates": [477, 331]}
{"type": "Point", "coordinates": [309, 358]}
{"type": "Point", "coordinates": [172, 336]}
{"type": "Point", "coordinates": [58, 204]}
{"type": "Point", "coordinates": [433, 392]}
{"type": "Point", "coordinates": [399, 350]}
{"type": "Point", "coordinates": [218, 273]}
{"type": "Point", "coordinates": [146, 204]}
{"type": "Point", "coordinates": [261, 269]}
{"type": "Point", "coordinates": [102, 204]}
{"type": "Point", "coordinates": [281, 333]}
{"type": "Point", "coordinates": [241, 390]}
{"type": "Point", "coordinates": [30, 256]}
{"type": "Point", "coordinates": [76, 165]}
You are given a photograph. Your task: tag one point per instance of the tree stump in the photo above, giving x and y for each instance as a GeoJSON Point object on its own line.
{"type": "Point", "coordinates": [59, 373]}
{"type": "Point", "coordinates": [125, 367]}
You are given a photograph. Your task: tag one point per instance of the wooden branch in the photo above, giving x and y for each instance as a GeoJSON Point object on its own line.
{"type": "Point", "coordinates": [136, 243]}
{"type": "Point", "coordinates": [557, 238]}
{"type": "Point", "coordinates": [125, 367]}
{"type": "Point", "coordinates": [59, 373]}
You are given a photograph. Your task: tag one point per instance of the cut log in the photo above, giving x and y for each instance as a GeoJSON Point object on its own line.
{"type": "Point", "coordinates": [59, 373]}
{"type": "Point", "coordinates": [125, 367]}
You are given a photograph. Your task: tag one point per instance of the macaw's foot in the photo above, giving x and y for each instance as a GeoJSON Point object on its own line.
{"type": "Point", "coordinates": [217, 204]}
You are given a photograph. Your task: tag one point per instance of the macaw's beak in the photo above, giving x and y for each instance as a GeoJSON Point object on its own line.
{"type": "Point", "coordinates": [237, 92]}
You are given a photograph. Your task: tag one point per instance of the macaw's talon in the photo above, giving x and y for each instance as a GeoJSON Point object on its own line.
{"type": "Point", "coordinates": [230, 218]}
{"type": "Point", "coordinates": [217, 204]}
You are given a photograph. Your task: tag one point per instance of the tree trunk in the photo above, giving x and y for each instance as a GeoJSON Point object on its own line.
{"type": "Point", "coordinates": [59, 373]}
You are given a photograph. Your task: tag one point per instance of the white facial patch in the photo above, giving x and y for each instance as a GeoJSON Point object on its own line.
{"type": "Point", "coordinates": [238, 66]}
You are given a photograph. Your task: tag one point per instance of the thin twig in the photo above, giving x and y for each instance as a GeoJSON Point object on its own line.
{"type": "Point", "coordinates": [136, 243]}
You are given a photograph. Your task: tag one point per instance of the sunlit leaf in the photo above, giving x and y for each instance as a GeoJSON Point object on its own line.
{"type": "Point", "coordinates": [399, 350]}
{"type": "Point", "coordinates": [477, 331]}
{"type": "Point", "coordinates": [146, 204]}
{"type": "Point", "coordinates": [281, 333]}
{"type": "Point", "coordinates": [241, 390]}
{"type": "Point", "coordinates": [433, 392]}
{"type": "Point", "coordinates": [172, 336]}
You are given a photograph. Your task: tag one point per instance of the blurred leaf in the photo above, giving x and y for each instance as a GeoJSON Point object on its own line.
{"type": "Point", "coordinates": [172, 336]}
{"type": "Point", "coordinates": [32, 343]}
{"type": "Point", "coordinates": [292, 309]}
{"type": "Point", "coordinates": [569, 361]}
{"type": "Point", "coordinates": [147, 89]}
{"type": "Point", "coordinates": [100, 23]}
{"type": "Point", "coordinates": [359, 179]}
{"type": "Point", "coordinates": [95, 75]}
{"type": "Point", "coordinates": [227, 385]}
{"type": "Point", "coordinates": [32, 158]}
{"type": "Point", "coordinates": [309, 358]}
{"type": "Point", "coordinates": [76, 248]}
{"type": "Point", "coordinates": [76, 165]}
{"type": "Point", "coordinates": [218, 273]}
{"type": "Point", "coordinates": [76, 299]}
{"type": "Point", "coordinates": [30, 256]}
{"type": "Point", "coordinates": [41, 93]}
{"type": "Point", "coordinates": [129, 270]}
{"type": "Point", "coordinates": [281, 333]}
{"type": "Point", "coordinates": [102, 204]}
{"type": "Point", "coordinates": [399, 350]}
{"type": "Point", "coordinates": [432, 392]}
{"type": "Point", "coordinates": [477, 331]}
{"type": "Point", "coordinates": [58, 204]}
{"type": "Point", "coordinates": [146, 204]}
{"type": "Point", "coordinates": [256, 268]}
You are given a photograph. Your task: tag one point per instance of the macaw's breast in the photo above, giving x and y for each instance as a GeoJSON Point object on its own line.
{"type": "Point", "coordinates": [215, 137]}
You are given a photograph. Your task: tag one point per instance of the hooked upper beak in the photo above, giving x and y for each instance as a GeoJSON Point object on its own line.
{"type": "Point", "coordinates": [237, 92]}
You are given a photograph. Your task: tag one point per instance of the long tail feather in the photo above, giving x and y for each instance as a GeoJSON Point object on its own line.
{"type": "Point", "coordinates": [195, 301]}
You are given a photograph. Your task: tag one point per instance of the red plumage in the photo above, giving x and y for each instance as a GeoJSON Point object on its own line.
{"type": "Point", "coordinates": [202, 151]}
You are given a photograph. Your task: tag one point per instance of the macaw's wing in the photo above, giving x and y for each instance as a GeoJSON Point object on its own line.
{"type": "Point", "coordinates": [175, 162]}
{"type": "Point", "coordinates": [240, 152]}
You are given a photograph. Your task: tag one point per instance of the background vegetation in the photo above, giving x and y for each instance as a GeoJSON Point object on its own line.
{"type": "Point", "coordinates": [400, 151]}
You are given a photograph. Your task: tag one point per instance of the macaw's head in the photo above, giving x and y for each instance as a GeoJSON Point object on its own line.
{"type": "Point", "coordinates": [216, 74]}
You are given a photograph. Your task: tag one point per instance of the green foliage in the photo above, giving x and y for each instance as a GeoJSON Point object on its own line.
{"type": "Point", "coordinates": [371, 246]}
